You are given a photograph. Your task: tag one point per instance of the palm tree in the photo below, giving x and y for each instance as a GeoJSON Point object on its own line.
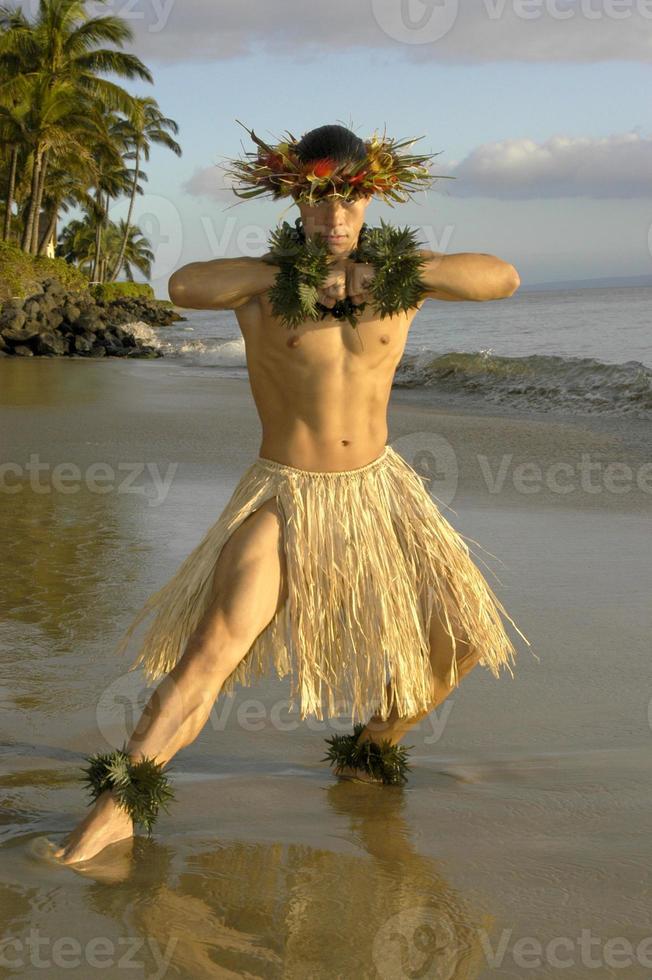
{"type": "Point", "coordinates": [77, 245]}
{"type": "Point", "coordinates": [136, 252]}
{"type": "Point", "coordinates": [55, 126]}
{"type": "Point", "coordinates": [12, 111]}
{"type": "Point", "coordinates": [147, 125]}
{"type": "Point", "coordinates": [13, 133]}
{"type": "Point", "coordinates": [112, 179]}
{"type": "Point", "coordinates": [67, 184]}
{"type": "Point", "coordinates": [54, 61]}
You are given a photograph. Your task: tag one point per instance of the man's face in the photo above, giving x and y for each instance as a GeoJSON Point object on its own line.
{"type": "Point", "coordinates": [339, 221]}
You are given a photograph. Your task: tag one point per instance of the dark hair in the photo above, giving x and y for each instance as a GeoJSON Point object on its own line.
{"type": "Point", "coordinates": [336, 142]}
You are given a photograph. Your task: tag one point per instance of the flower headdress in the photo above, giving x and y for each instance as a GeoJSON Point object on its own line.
{"type": "Point", "coordinates": [276, 169]}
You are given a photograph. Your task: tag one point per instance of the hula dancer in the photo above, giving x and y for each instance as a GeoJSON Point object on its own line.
{"type": "Point", "coordinates": [330, 562]}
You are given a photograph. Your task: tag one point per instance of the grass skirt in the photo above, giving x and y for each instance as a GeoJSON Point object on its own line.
{"type": "Point", "coordinates": [370, 559]}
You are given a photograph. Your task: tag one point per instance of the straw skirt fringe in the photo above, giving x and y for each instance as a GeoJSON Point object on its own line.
{"type": "Point", "coordinates": [370, 559]}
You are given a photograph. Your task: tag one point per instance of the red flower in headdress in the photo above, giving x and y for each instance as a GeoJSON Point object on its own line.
{"type": "Point", "coordinates": [358, 177]}
{"type": "Point", "coordinates": [323, 168]}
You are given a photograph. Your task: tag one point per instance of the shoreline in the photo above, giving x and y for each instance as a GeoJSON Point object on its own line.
{"type": "Point", "coordinates": [489, 457]}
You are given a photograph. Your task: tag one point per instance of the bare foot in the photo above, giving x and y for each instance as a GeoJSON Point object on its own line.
{"type": "Point", "coordinates": [105, 824]}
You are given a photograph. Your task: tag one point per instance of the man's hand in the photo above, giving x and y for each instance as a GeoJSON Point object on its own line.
{"type": "Point", "coordinates": [347, 278]}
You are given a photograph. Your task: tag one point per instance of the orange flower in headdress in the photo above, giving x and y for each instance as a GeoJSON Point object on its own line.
{"type": "Point", "coordinates": [323, 168]}
{"type": "Point", "coordinates": [277, 170]}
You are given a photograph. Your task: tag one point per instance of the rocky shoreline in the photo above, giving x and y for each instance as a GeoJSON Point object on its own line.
{"type": "Point", "coordinates": [59, 323]}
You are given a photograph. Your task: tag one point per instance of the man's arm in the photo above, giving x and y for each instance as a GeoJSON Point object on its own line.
{"type": "Point", "coordinates": [473, 276]}
{"type": "Point", "coordinates": [220, 284]}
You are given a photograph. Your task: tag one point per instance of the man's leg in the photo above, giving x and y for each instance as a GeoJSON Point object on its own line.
{"type": "Point", "coordinates": [249, 587]}
{"type": "Point", "coordinates": [441, 658]}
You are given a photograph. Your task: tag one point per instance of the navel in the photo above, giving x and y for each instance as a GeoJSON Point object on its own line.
{"type": "Point", "coordinates": [385, 338]}
{"type": "Point", "coordinates": [294, 341]}
{"type": "Point", "coordinates": [346, 442]}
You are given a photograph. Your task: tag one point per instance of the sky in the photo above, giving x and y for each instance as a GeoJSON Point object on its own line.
{"type": "Point", "coordinates": [540, 109]}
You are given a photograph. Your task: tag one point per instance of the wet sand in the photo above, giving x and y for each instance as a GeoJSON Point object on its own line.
{"type": "Point", "coordinates": [519, 846]}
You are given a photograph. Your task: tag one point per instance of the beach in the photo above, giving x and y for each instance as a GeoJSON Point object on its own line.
{"type": "Point", "coordinates": [518, 846]}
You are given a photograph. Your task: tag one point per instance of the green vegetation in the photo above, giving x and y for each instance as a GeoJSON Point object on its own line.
{"type": "Point", "coordinates": [22, 274]}
{"type": "Point", "coordinates": [106, 292]}
{"type": "Point", "coordinates": [72, 138]}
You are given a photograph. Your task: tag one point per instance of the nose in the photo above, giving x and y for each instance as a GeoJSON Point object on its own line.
{"type": "Point", "coordinates": [333, 215]}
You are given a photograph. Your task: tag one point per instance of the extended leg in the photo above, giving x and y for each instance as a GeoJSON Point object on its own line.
{"type": "Point", "coordinates": [249, 587]}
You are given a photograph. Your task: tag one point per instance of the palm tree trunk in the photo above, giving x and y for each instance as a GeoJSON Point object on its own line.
{"type": "Point", "coordinates": [49, 232]}
{"type": "Point", "coordinates": [11, 186]}
{"type": "Point", "coordinates": [29, 217]}
{"type": "Point", "coordinates": [98, 236]}
{"type": "Point", "coordinates": [118, 265]}
{"type": "Point", "coordinates": [39, 201]}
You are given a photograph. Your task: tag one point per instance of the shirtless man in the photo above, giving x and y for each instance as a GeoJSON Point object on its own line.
{"type": "Point", "coordinates": [322, 393]}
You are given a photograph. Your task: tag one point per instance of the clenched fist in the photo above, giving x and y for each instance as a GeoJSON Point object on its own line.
{"type": "Point", "coordinates": [350, 279]}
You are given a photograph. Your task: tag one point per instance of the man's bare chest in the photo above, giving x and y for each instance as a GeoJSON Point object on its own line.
{"type": "Point", "coordinates": [323, 341]}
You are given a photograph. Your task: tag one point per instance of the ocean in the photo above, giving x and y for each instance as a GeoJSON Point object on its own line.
{"type": "Point", "coordinates": [578, 351]}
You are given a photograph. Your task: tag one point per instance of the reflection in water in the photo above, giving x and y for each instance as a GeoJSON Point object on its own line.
{"type": "Point", "coordinates": [50, 381]}
{"type": "Point", "coordinates": [286, 910]}
{"type": "Point", "coordinates": [58, 563]}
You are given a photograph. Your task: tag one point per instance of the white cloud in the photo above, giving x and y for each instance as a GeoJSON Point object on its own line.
{"type": "Point", "coordinates": [452, 31]}
{"type": "Point", "coordinates": [617, 166]}
{"type": "Point", "coordinates": [212, 183]}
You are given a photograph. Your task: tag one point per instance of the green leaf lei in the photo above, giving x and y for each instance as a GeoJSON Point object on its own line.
{"type": "Point", "coordinates": [304, 265]}
{"type": "Point", "coordinates": [139, 787]}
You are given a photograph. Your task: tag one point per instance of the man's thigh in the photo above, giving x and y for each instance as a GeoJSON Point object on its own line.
{"type": "Point", "coordinates": [250, 578]}
{"type": "Point", "coordinates": [249, 586]}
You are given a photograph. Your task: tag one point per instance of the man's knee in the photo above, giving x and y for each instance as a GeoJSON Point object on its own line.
{"type": "Point", "coordinates": [451, 657]}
